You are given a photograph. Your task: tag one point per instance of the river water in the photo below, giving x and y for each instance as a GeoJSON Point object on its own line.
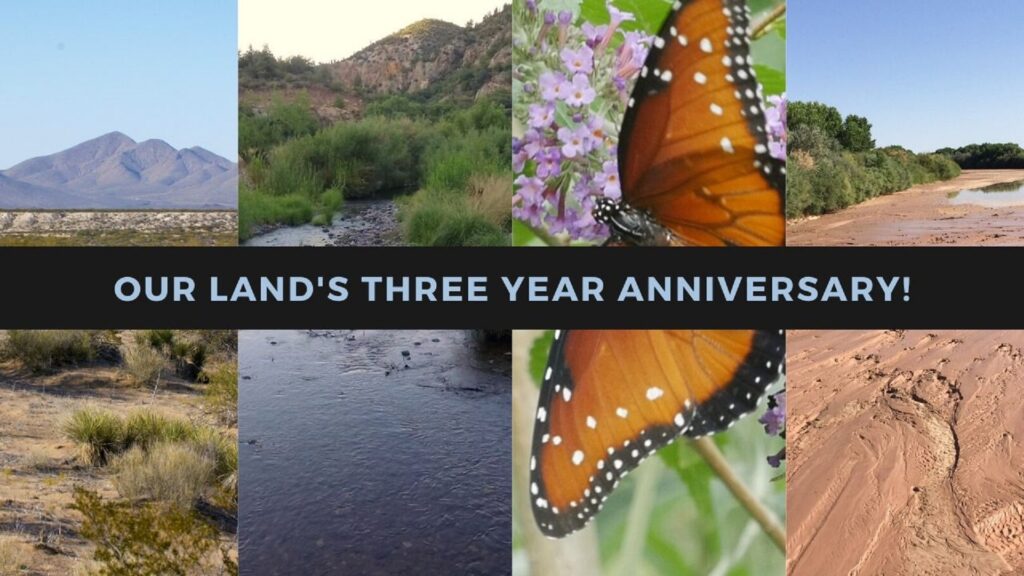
{"type": "Point", "coordinates": [994, 196]}
{"type": "Point", "coordinates": [374, 452]}
{"type": "Point", "coordinates": [358, 223]}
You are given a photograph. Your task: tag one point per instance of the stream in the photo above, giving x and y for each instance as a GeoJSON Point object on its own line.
{"type": "Point", "coordinates": [374, 452]}
{"type": "Point", "coordinates": [358, 223]}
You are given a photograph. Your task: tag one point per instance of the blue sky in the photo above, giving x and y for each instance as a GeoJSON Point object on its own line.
{"type": "Point", "coordinates": [926, 73]}
{"type": "Point", "coordinates": [75, 70]}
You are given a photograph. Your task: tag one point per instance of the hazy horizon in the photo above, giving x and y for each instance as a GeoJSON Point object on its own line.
{"type": "Point", "coordinates": [75, 71]}
{"type": "Point", "coordinates": [927, 74]}
{"type": "Point", "coordinates": [334, 31]}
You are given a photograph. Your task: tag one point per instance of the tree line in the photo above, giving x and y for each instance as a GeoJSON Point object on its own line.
{"type": "Point", "coordinates": [834, 162]}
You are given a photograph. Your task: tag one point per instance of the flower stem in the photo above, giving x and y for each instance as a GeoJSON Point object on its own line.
{"type": "Point", "coordinates": [762, 25]}
{"type": "Point", "coordinates": [769, 523]}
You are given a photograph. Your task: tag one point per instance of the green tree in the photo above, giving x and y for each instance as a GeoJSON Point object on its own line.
{"type": "Point", "coordinates": [815, 114]}
{"type": "Point", "coordinates": [855, 135]}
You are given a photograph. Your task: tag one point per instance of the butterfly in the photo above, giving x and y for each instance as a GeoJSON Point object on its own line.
{"type": "Point", "coordinates": [694, 162]}
{"type": "Point", "coordinates": [611, 398]}
{"type": "Point", "coordinates": [695, 170]}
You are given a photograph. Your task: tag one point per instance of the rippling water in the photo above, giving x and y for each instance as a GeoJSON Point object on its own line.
{"type": "Point", "coordinates": [374, 452]}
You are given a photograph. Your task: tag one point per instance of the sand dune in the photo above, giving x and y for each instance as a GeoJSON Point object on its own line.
{"type": "Point", "coordinates": [906, 453]}
{"type": "Point", "coordinates": [920, 216]}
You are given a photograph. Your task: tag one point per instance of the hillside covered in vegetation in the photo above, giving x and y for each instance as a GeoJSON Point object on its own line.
{"type": "Point", "coordinates": [834, 163]}
{"type": "Point", "coordinates": [423, 114]}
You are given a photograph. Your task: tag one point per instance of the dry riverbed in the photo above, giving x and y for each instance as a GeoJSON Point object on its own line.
{"type": "Point", "coordinates": [906, 452]}
{"type": "Point", "coordinates": [920, 216]}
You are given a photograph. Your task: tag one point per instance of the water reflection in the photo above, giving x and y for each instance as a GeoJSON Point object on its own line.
{"type": "Point", "coordinates": [996, 195]}
{"type": "Point", "coordinates": [374, 452]}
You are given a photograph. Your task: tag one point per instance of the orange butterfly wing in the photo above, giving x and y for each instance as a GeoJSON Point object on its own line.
{"type": "Point", "coordinates": [693, 150]}
{"type": "Point", "coordinates": [610, 398]}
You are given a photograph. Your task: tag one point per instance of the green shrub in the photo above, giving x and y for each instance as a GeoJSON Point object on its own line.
{"type": "Point", "coordinates": [438, 218]}
{"type": "Point", "coordinates": [41, 350]}
{"type": "Point", "coordinates": [147, 538]}
{"type": "Point", "coordinates": [158, 338]}
{"type": "Point", "coordinates": [257, 208]}
{"type": "Point", "coordinates": [834, 164]}
{"type": "Point", "coordinates": [172, 472]}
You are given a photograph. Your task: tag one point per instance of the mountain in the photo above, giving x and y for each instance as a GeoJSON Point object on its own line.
{"type": "Point", "coordinates": [115, 172]}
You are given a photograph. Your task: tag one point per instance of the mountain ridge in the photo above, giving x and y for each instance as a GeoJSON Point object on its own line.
{"type": "Point", "coordinates": [113, 171]}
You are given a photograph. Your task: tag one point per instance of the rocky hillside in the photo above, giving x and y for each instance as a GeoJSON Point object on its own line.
{"type": "Point", "coordinates": [430, 60]}
{"type": "Point", "coordinates": [433, 57]}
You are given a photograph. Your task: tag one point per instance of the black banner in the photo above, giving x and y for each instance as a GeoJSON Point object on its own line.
{"type": "Point", "coordinates": [831, 288]}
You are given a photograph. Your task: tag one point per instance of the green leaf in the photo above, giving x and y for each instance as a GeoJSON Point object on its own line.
{"type": "Point", "coordinates": [539, 355]}
{"type": "Point", "coordinates": [773, 81]}
{"type": "Point", "coordinates": [523, 235]}
{"type": "Point", "coordinates": [649, 13]}
{"type": "Point", "coordinates": [779, 27]}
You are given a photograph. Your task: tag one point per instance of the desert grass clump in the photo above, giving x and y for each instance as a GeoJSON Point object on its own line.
{"type": "Point", "coordinates": [99, 433]}
{"type": "Point", "coordinates": [221, 393]}
{"type": "Point", "coordinates": [144, 365]}
{"type": "Point", "coordinates": [488, 196]}
{"type": "Point", "coordinates": [145, 428]}
{"type": "Point", "coordinates": [42, 350]}
{"type": "Point", "coordinates": [13, 557]}
{"type": "Point", "coordinates": [172, 472]}
{"type": "Point", "coordinates": [103, 435]}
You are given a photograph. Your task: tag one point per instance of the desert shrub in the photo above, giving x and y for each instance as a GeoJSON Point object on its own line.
{"type": "Point", "coordinates": [158, 339]}
{"type": "Point", "coordinates": [173, 472]}
{"type": "Point", "coordinates": [147, 538]}
{"type": "Point", "coordinates": [221, 392]}
{"type": "Point", "coordinates": [145, 428]}
{"type": "Point", "coordinates": [143, 364]}
{"type": "Point", "coordinates": [41, 350]}
{"type": "Point", "coordinates": [103, 434]}
{"type": "Point", "coordinates": [99, 433]}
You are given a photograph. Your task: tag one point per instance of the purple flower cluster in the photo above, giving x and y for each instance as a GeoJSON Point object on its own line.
{"type": "Point", "coordinates": [774, 420]}
{"type": "Point", "coordinates": [572, 80]}
{"type": "Point", "coordinates": [775, 114]}
{"type": "Point", "coordinates": [574, 90]}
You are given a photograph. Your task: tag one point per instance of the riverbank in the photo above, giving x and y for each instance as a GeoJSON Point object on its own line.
{"type": "Point", "coordinates": [920, 216]}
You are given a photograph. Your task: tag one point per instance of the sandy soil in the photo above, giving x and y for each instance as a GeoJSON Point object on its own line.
{"type": "Point", "coordinates": [906, 453]}
{"type": "Point", "coordinates": [920, 216]}
{"type": "Point", "coordinates": [200, 228]}
{"type": "Point", "coordinates": [39, 468]}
